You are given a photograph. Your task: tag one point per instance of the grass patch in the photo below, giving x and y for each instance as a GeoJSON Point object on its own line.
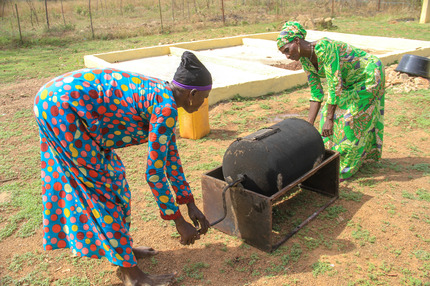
{"type": "Point", "coordinates": [25, 212]}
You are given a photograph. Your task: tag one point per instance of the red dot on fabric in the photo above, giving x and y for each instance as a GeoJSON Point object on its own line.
{"type": "Point", "coordinates": [101, 109]}
{"type": "Point", "coordinates": [48, 247]}
{"type": "Point", "coordinates": [116, 226]}
{"type": "Point", "coordinates": [102, 252]}
{"type": "Point", "coordinates": [118, 93]}
{"type": "Point", "coordinates": [93, 173]}
{"type": "Point", "coordinates": [57, 186]}
{"type": "Point", "coordinates": [63, 220]}
{"type": "Point", "coordinates": [166, 111]}
{"type": "Point", "coordinates": [62, 235]}
{"type": "Point", "coordinates": [56, 228]}
{"type": "Point", "coordinates": [70, 118]}
{"type": "Point", "coordinates": [54, 110]}
{"type": "Point", "coordinates": [93, 247]}
{"type": "Point", "coordinates": [44, 147]}
{"type": "Point", "coordinates": [93, 93]}
{"type": "Point", "coordinates": [75, 94]}
{"type": "Point", "coordinates": [54, 217]}
{"type": "Point", "coordinates": [80, 235]}
{"type": "Point", "coordinates": [61, 203]}
{"type": "Point", "coordinates": [83, 218]}
{"type": "Point", "coordinates": [72, 127]}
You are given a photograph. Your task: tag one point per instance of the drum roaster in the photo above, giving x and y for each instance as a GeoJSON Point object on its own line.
{"type": "Point", "coordinates": [239, 196]}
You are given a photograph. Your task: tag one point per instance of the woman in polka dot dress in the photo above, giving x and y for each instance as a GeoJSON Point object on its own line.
{"type": "Point", "coordinates": [83, 116]}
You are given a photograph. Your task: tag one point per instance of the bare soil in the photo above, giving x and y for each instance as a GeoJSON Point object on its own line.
{"type": "Point", "coordinates": [376, 238]}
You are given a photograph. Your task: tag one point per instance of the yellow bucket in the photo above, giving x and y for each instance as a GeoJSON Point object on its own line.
{"type": "Point", "coordinates": [194, 125]}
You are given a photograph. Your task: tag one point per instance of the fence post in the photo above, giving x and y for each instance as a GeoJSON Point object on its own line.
{"type": "Point", "coordinates": [161, 15]}
{"type": "Point", "coordinates": [425, 12]}
{"type": "Point", "coordinates": [19, 25]}
{"type": "Point", "coordinates": [46, 11]}
{"type": "Point", "coordinates": [91, 18]}
{"type": "Point", "coordinates": [222, 9]}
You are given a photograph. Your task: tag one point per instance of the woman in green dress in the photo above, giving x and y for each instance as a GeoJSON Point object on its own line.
{"type": "Point", "coordinates": [352, 116]}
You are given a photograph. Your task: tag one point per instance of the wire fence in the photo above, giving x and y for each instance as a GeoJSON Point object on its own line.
{"type": "Point", "coordinates": [122, 18]}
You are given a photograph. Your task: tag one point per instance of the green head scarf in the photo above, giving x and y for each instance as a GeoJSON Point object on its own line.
{"type": "Point", "coordinates": [290, 30]}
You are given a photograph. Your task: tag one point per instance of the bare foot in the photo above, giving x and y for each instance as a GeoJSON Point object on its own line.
{"type": "Point", "coordinates": [143, 252]}
{"type": "Point", "coordinates": [133, 276]}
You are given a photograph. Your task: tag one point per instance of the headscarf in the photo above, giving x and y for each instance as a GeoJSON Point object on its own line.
{"type": "Point", "coordinates": [192, 74]}
{"type": "Point", "coordinates": [290, 30]}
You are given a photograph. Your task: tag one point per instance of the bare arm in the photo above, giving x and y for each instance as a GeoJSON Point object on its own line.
{"type": "Point", "coordinates": [327, 129]}
{"type": "Point", "coordinates": [314, 107]}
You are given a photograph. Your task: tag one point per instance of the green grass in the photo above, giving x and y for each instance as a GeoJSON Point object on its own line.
{"type": "Point", "coordinates": [24, 212]}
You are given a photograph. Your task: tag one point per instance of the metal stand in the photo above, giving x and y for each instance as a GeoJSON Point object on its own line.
{"type": "Point", "coordinates": [249, 214]}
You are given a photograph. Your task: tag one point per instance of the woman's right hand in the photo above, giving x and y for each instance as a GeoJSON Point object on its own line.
{"type": "Point", "coordinates": [188, 232]}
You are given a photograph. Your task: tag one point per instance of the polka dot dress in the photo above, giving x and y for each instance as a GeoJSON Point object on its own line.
{"type": "Point", "coordinates": [83, 116]}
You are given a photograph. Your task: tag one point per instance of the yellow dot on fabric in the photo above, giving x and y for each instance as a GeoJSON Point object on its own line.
{"type": "Point", "coordinates": [117, 76]}
{"type": "Point", "coordinates": [117, 132]}
{"type": "Point", "coordinates": [119, 257]}
{"type": "Point", "coordinates": [136, 80]}
{"type": "Point", "coordinates": [43, 94]}
{"type": "Point", "coordinates": [105, 246]}
{"type": "Point", "coordinates": [87, 241]}
{"type": "Point", "coordinates": [108, 219]}
{"type": "Point", "coordinates": [66, 212]}
{"type": "Point", "coordinates": [124, 87]}
{"type": "Point", "coordinates": [126, 139]}
{"type": "Point", "coordinates": [109, 143]}
{"type": "Point", "coordinates": [165, 95]}
{"type": "Point", "coordinates": [89, 184]}
{"type": "Point", "coordinates": [75, 152]}
{"type": "Point", "coordinates": [36, 111]}
{"type": "Point", "coordinates": [154, 179]}
{"type": "Point", "coordinates": [150, 109]}
{"type": "Point", "coordinates": [93, 153]}
{"type": "Point", "coordinates": [162, 139]}
{"type": "Point", "coordinates": [99, 87]}
{"type": "Point", "coordinates": [44, 115]}
{"type": "Point", "coordinates": [110, 167]}
{"type": "Point", "coordinates": [79, 209]}
{"type": "Point", "coordinates": [142, 92]}
{"type": "Point", "coordinates": [96, 214]}
{"type": "Point", "coordinates": [89, 76]}
{"type": "Point", "coordinates": [84, 172]}
{"type": "Point", "coordinates": [74, 227]}
{"type": "Point", "coordinates": [67, 188]}
{"type": "Point", "coordinates": [116, 101]}
{"type": "Point", "coordinates": [47, 212]}
{"type": "Point", "coordinates": [126, 199]}
{"type": "Point", "coordinates": [66, 229]}
{"type": "Point", "coordinates": [77, 134]}
{"type": "Point", "coordinates": [169, 212]}
{"type": "Point", "coordinates": [54, 98]}
{"type": "Point", "coordinates": [49, 169]}
{"type": "Point", "coordinates": [170, 122]}
{"type": "Point", "coordinates": [164, 199]}
{"type": "Point", "coordinates": [75, 103]}
{"type": "Point", "coordinates": [158, 164]}
{"type": "Point", "coordinates": [113, 242]}
{"type": "Point", "coordinates": [79, 87]}
{"type": "Point", "coordinates": [140, 132]}
{"type": "Point", "coordinates": [174, 167]}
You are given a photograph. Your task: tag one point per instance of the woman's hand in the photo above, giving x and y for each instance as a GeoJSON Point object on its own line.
{"type": "Point", "coordinates": [188, 232]}
{"type": "Point", "coordinates": [198, 218]}
{"type": "Point", "coordinates": [327, 129]}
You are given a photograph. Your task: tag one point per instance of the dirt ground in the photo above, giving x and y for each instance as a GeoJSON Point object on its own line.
{"type": "Point", "coordinates": [376, 233]}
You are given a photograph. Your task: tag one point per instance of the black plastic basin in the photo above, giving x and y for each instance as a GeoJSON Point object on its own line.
{"type": "Point", "coordinates": [414, 65]}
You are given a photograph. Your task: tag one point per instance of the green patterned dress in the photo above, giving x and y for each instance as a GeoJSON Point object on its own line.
{"type": "Point", "coordinates": [356, 84]}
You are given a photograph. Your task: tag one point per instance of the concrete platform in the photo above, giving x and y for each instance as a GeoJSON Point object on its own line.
{"type": "Point", "coordinates": [244, 64]}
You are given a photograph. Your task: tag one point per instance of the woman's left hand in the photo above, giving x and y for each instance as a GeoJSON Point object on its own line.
{"type": "Point", "coordinates": [198, 218]}
{"type": "Point", "coordinates": [327, 129]}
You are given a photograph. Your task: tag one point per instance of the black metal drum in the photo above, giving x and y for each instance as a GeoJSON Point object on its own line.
{"type": "Point", "coordinates": [274, 157]}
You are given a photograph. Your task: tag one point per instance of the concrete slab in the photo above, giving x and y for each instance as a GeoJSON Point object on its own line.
{"type": "Point", "coordinates": [244, 64]}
